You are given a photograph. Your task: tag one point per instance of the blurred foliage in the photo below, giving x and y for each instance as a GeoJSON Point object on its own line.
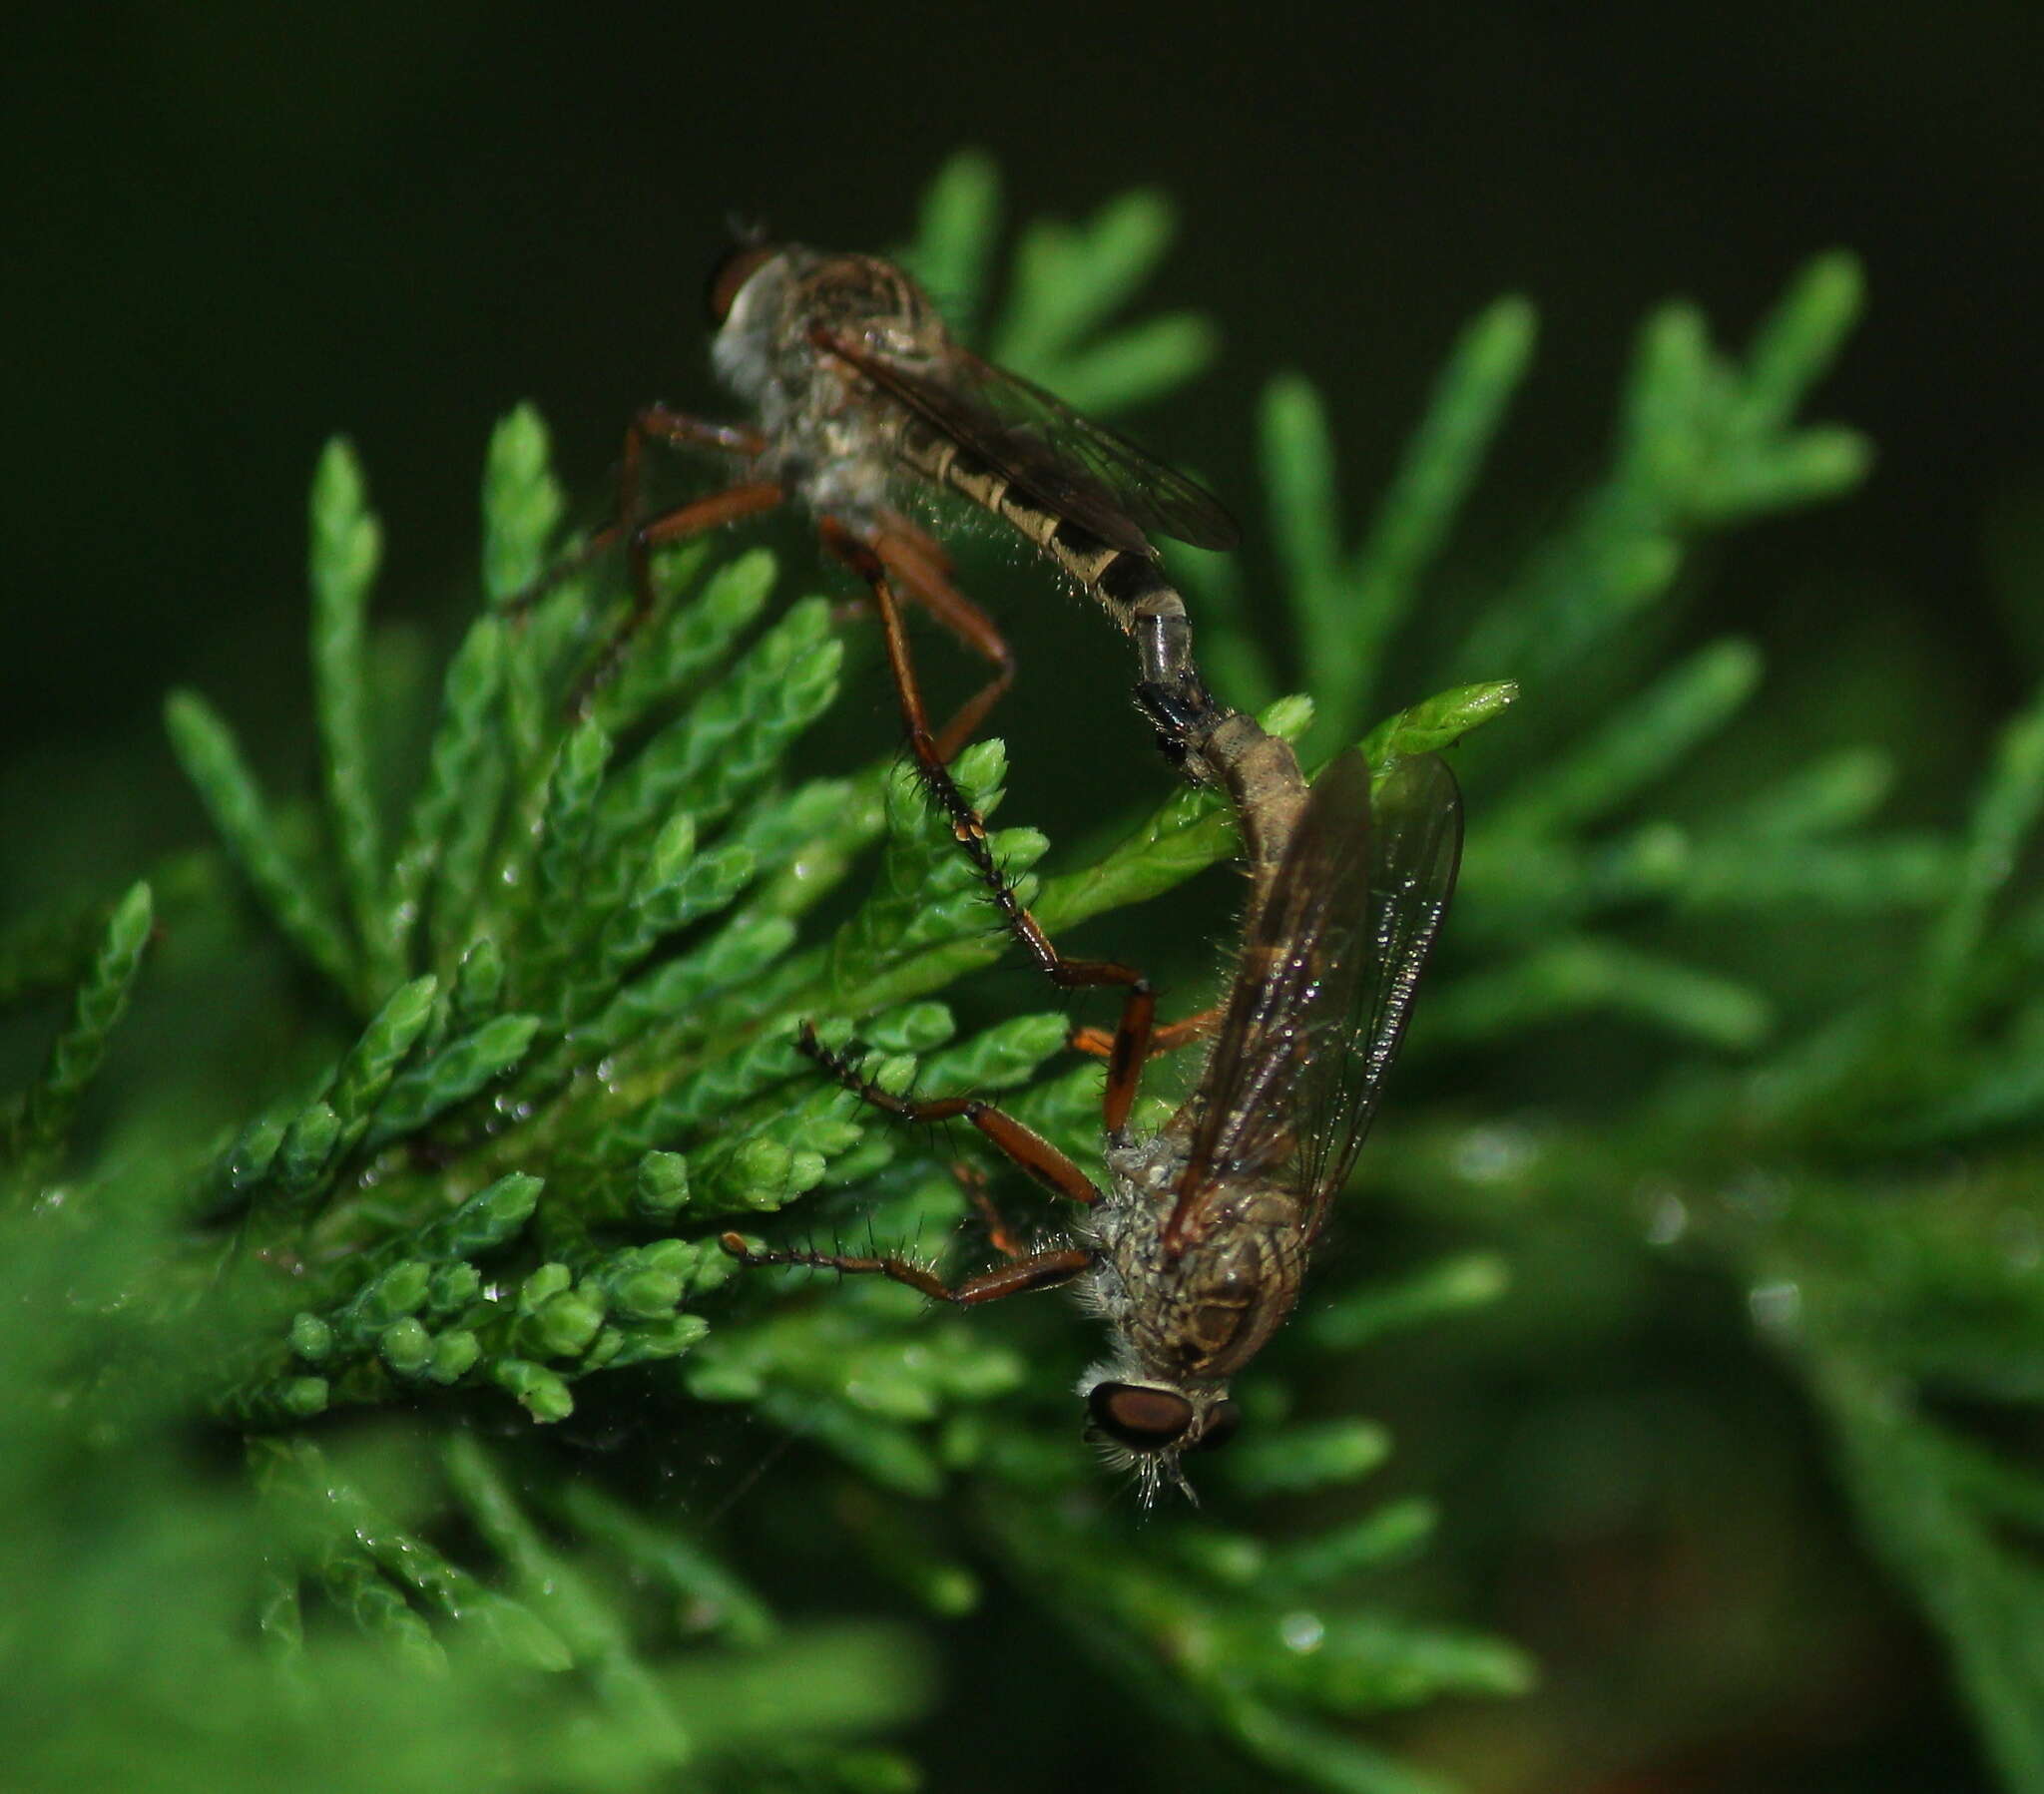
{"type": "Point", "coordinates": [413, 1428]}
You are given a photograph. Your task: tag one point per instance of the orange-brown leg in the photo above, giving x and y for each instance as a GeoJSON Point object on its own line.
{"type": "Point", "coordinates": [925, 573]}
{"type": "Point", "coordinates": [1166, 1037]}
{"type": "Point", "coordinates": [968, 829]}
{"type": "Point", "coordinates": [746, 498]}
{"type": "Point", "coordinates": [677, 429]}
{"type": "Point", "coordinates": [1022, 1147]}
{"type": "Point", "coordinates": [696, 518]}
{"type": "Point", "coordinates": [1037, 1271]}
{"type": "Point", "coordinates": [655, 423]}
{"type": "Point", "coordinates": [972, 1181]}
{"type": "Point", "coordinates": [1025, 1270]}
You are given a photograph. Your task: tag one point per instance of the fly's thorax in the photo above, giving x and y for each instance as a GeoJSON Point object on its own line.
{"type": "Point", "coordinates": [1196, 1310]}
{"type": "Point", "coordinates": [1144, 1169]}
{"type": "Point", "coordinates": [830, 438]}
{"type": "Point", "coordinates": [870, 302]}
{"type": "Point", "coordinates": [773, 342]}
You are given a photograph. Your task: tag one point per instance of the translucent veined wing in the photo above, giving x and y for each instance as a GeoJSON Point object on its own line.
{"type": "Point", "coordinates": [1291, 986]}
{"type": "Point", "coordinates": [1325, 985]}
{"type": "Point", "coordinates": [1070, 465]}
{"type": "Point", "coordinates": [1415, 850]}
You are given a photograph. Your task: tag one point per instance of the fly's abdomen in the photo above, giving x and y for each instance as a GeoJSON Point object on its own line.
{"type": "Point", "coordinates": [1106, 555]}
{"type": "Point", "coordinates": [1126, 580]}
{"type": "Point", "coordinates": [1262, 779]}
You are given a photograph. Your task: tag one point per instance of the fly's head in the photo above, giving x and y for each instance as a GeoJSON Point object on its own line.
{"type": "Point", "coordinates": [734, 273]}
{"type": "Point", "coordinates": [1147, 1424]}
{"type": "Point", "coordinates": [747, 300]}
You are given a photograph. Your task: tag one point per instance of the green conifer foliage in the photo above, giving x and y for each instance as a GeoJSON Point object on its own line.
{"type": "Point", "coordinates": [369, 1445]}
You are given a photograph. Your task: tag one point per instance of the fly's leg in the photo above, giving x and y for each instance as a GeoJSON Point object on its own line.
{"type": "Point", "coordinates": [749, 498]}
{"type": "Point", "coordinates": [1022, 1147]}
{"type": "Point", "coordinates": [1038, 1270]}
{"type": "Point", "coordinates": [1025, 1270]}
{"type": "Point", "coordinates": [656, 424]}
{"type": "Point", "coordinates": [972, 1181]}
{"type": "Point", "coordinates": [683, 429]}
{"type": "Point", "coordinates": [925, 571]}
{"type": "Point", "coordinates": [746, 498]}
{"type": "Point", "coordinates": [1139, 1002]}
{"type": "Point", "coordinates": [1166, 1037]}
{"type": "Point", "coordinates": [697, 517]}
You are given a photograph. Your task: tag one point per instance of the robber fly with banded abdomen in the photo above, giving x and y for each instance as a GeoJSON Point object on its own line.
{"type": "Point", "coordinates": [1195, 1251]}
{"type": "Point", "coordinates": [858, 398]}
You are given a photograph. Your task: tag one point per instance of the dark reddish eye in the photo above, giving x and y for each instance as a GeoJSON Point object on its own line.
{"type": "Point", "coordinates": [736, 268]}
{"type": "Point", "coordinates": [1221, 1421]}
{"type": "Point", "coordinates": [1143, 1418]}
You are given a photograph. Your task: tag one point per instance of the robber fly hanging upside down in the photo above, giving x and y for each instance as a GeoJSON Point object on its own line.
{"type": "Point", "coordinates": [858, 400]}
{"type": "Point", "coordinates": [860, 396]}
{"type": "Point", "coordinates": [1195, 1251]}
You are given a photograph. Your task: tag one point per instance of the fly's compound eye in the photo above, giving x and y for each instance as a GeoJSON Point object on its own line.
{"type": "Point", "coordinates": [1140, 1418]}
{"type": "Point", "coordinates": [736, 266]}
{"type": "Point", "coordinates": [1223, 1419]}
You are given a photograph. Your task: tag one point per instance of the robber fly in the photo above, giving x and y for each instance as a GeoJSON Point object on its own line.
{"type": "Point", "coordinates": [858, 398]}
{"type": "Point", "coordinates": [1195, 1251]}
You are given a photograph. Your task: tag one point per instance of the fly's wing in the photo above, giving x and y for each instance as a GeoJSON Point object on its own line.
{"type": "Point", "coordinates": [1070, 465]}
{"type": "Point", "coordinates": [1325, 985]}
{"type": "Point", "coordinates": [1158, 500]}
{"type": "Point", "coordinates": [1414, 853]}
{"type": "Point", "coordinates": [1292, 988]}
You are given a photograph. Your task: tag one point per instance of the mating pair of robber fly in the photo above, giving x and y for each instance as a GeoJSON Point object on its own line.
{"type": "Point", "coordinates": [1193, 1252]}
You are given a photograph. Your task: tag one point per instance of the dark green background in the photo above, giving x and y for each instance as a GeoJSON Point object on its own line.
{"type": "Point", "coordinates": [236, 229]}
